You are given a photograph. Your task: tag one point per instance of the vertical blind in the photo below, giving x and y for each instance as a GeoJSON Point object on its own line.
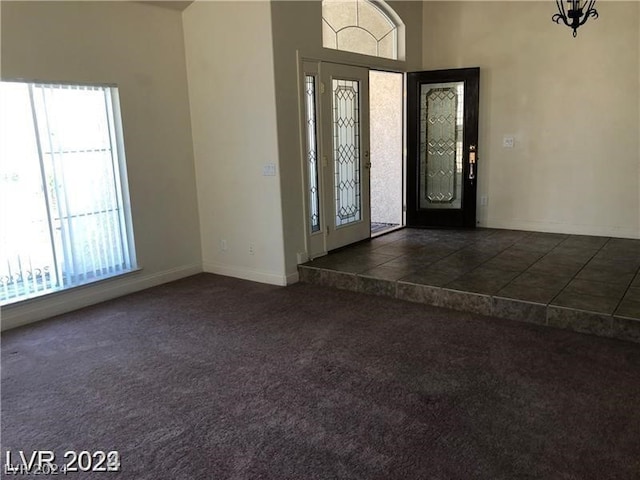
{"type": "Point", "coordinates": [65, 217]}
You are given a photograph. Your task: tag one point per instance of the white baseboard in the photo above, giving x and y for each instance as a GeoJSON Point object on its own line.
{"type": "Point", "coordinates": [247, 274]}
{"type": "Point", "coordinates": [40, 308]}
{"type": "Point", "coordinates": [570, 229]}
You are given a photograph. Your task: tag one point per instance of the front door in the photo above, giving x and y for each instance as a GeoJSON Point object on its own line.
{"type": "Point", "coordinates": [335, 155]}
{"type": "Point", "coordinates": [442, 144]}
{"type": "Point", "coordinates": [345, 154]}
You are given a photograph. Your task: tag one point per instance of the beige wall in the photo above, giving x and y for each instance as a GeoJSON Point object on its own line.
{"type": "Point", "coordinates": [297, 30]}
{"type": "Point", "coordinates": [231, 89]}
{"type": "Point", "coordinates": [140, 48]}
{"type": "Point", "coordinates": [570, 103]}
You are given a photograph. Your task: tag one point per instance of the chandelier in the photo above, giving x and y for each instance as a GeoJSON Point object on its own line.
{"type": "Point", "coordinates": [577, 13]}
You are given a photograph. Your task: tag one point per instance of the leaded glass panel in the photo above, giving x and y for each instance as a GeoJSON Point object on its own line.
{"type": "Point", "coordinates": [312, 152]}
{"type": "Point", "coordinates": [441, 137]}
{"type": "Point", "coordinates": [359, 26]}
{"type": "Point", "coordinates": [354, 39]}
{"type": "Point", "coordinates": [346, 150]}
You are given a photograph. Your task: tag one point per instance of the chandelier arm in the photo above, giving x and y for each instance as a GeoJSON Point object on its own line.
{"type": "Point", "coordinates": [557, 17]}
{"type": "Point", "coordinates": [560, 4]}
{"type": "Point", "coordinates": [590, 12]}
{"type": "Point", "coordinates": [562, 15]}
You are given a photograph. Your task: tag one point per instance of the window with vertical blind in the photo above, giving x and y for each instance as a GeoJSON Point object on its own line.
{"type": "Point", "coordinates": [65, 217]}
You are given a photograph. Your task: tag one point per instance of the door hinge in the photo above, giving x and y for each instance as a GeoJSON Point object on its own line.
{"type": "Point", "coordinates": [321, 87]}
{"type": "Point", "coordinates": [327, 229]}
{"type": "Point", "coordinates": [324, 160]}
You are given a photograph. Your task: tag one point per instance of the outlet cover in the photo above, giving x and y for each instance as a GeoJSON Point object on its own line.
{"type": "Point", "coordinates": [508, 141]}
{"type": "Point", "coordinates": [269, 170]}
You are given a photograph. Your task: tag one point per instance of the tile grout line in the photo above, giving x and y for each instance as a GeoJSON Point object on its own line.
{"type": "Point", "coordinates": [479, 265]}
{"type": "Point", "coordinates": [523, 271]}
{"type": "Point", "coordinates": [576, 274]}
{"type": "Point", "coordinates": [529, 267]}
{"type": "Point", "coordinates": [626, 290]}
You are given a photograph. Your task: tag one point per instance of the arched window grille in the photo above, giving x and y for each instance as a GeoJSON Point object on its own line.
{"type": "Point", "coordinates": [369, 27]}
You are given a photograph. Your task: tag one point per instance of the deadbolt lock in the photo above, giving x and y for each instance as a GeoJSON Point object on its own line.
{"type": "Point", "coordinates": [472, 161]}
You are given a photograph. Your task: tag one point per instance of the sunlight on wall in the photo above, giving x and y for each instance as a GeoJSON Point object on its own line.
{"type": "Point", "coordinates": [385, 93]}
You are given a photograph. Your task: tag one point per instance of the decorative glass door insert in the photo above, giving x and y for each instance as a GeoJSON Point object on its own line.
{"type": "Point", "coordinates": [441, 137]}
{"type": "Point", "coordinates": [312, 152]}
{"type": "Point", "coordinates": [346, 151]}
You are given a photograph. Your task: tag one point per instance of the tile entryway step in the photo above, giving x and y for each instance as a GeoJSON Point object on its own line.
{"type": "Point", "coordinates": [606, 325]}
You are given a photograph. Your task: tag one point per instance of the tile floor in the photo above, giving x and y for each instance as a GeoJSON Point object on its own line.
{"type": "Point", "coordinates": [583, 283]}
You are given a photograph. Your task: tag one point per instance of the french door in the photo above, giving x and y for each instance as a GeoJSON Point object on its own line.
{"type": "Point", "coordinates": [336, 154]}
{"type": "Point", "coordinates": [442, 143]}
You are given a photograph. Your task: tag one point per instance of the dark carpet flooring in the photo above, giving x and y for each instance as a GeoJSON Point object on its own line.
{"type": "Point", "coordinates": [217, 378]}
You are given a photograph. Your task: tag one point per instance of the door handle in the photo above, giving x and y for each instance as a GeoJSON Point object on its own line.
{"type": "Point", "coordinates": [472, 161]}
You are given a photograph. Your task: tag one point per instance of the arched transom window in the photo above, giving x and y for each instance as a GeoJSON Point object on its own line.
{"type": "Point", "coordinates": [369, 27]}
